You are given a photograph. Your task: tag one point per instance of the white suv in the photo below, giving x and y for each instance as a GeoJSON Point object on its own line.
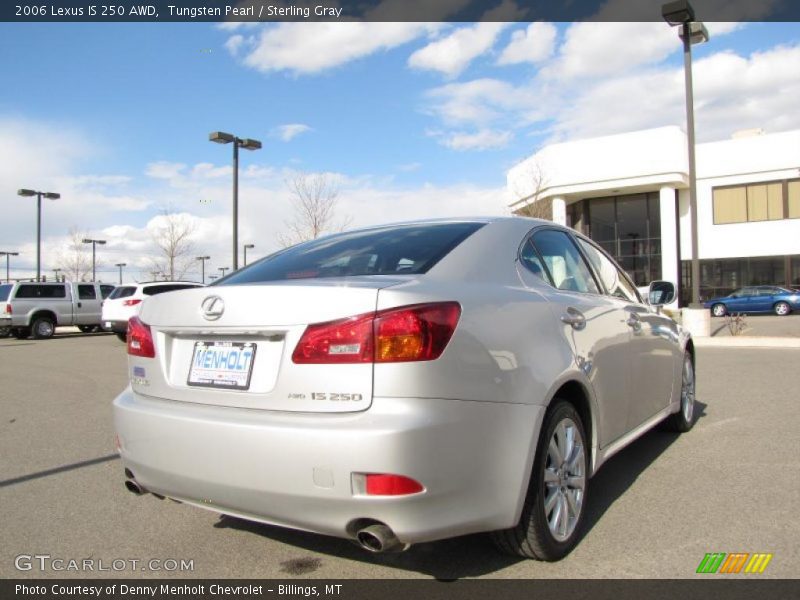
{"type": "Point", "coordinates": [126, 300]}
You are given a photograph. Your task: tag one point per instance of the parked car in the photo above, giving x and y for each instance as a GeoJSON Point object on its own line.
{"type": "Point", "coordinates": [756, 299]}
{"type": "Point", "coordinates": [126, 301]}
{"type": "Point", "coordinates": [38, 308]}
{"type": "Point", "coordinates": [404, 384]}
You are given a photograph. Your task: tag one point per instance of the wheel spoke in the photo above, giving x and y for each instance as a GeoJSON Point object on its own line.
{"type": "Point", "coordinates": [569, 443]}
{"type": "Point", "coordinates": [577, 459]}
{"type": "Point", "coordinates": [550, 477]}
{"type": "Point", "coordinates": [576, 482]}
{"type": "Point", "coordinates": [574, 509]}
{"type": "Point", "coordinates": [556, 458]}
{"type": "Point", "coordinates": [563, 516]}
{"type": "Point", "coordinates": [550, 503]}
{"type": "Point", "coordinates": [555, 518]}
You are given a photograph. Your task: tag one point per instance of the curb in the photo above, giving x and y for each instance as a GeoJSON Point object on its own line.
{"type": "Point", "coordinates": [746, 342]}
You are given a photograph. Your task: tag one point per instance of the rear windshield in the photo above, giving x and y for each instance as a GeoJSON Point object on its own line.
{"type": "Point", "coordinates": [122, 292]}
{"type": "Point", "coordinates": [153, 290]}
{"type": "Point", "coordinates": [33, 290]}
{"type": "Point", "coordinates": [400, 250]}
{"type": "Point", "coordinates": [5, 290]}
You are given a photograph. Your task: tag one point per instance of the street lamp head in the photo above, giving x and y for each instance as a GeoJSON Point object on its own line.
{"type": "Point", "coordinates": [85, 241]}
{"type": "Point", "coordinates": [52, 196]}
{"type": "Point", "coordinates": [121, 265]}
{"type": "Point", "coordinates": [249, 144]}
{"type": "Point", "coordinates": [24, 192]}
{"type": "Point", "coordinates": [203, 258]}
{"type": "Point", "coordinates": [249, 246]}
{"type": "Point", "coordinates": [100, 241]}
{"type": "Point", "coordinates": [697, 33]}
{"type": "Point", "coordinates": [220, 137]}
{"type": "Point", "coordinates": [678, 12]}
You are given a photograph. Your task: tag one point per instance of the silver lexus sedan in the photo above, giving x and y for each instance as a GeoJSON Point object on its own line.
{"type": "Point", "coordinates": [404, 384]}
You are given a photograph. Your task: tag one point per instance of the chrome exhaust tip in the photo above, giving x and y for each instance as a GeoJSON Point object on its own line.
{"type": "Point", "coordinates": [133, 486]}
{"type": "Point", "coordinates": [379, 538]}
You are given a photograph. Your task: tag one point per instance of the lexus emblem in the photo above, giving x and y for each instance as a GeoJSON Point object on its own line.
{"type": "Point", "coordinates": [212, 307]}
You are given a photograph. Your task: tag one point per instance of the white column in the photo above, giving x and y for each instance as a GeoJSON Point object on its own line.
{"type": "Point", "coordinates": [559, 210]}
{"type": "Point", "coordinates": [670, 269]}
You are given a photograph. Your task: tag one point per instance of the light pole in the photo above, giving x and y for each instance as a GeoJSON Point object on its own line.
{"type": "Point", "coordinates": [55, 273]}
{"type": "Point", "coordinates": [223, 269]}
{"type": "Point", "coordinates": [221, 137]}
{"type": "Point", "coordinates": [94, 245]}
{"type": "Point", "coordinates": [246, 246]}
{"type": "Point", "coordinates": [49, 196]}
{"type": "Point", "coordinates": [203, 260]}
{"type": "Point", "coordinates": [681, 13]}
{"type": "Point", "coordinates": [213, 277]}
{"type": "Point", "coordinates": [120, 265]}
{"type": "Point", "coordinates": [7, 254]}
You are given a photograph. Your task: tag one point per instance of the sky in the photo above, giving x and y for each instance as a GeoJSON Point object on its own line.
{"type": "Point", "coordinates": [410, 120]}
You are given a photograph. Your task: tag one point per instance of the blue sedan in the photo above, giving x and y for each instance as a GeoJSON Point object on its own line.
{"type": "Point", "coordinates": [756, 299]}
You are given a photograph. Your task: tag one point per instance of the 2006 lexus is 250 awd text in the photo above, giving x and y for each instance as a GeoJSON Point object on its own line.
{"type": "Point", "coordinates": [404, 384]}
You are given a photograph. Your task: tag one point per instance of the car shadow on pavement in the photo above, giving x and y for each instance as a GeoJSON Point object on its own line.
{"type": "Point", "coordinates": [471, 555]}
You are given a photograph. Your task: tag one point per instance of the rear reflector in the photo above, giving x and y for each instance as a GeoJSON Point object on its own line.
{"type": "Point", "coordinates": [408, 333]}
{"type": "Point", "coordinates": [140, 339]}
{"type": "Point", "coordinates": [383, 484]}
{"type": "Point", "coordinates": [132, 302]}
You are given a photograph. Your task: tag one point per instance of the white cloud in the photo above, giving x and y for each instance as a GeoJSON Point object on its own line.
{"type": "Point", "coordinates": [453, 53]}
{"type": "Point", "coordinates": [307, 48]}
{"type": "Point", "coordinates": [164, 170]}
{"type": "Point", "coordinates": [484, 139]}
{"type": "Point", "coordinates": [532, 45]}
{"type": "Point", "coordinates": [234, 43]}
{"type": "Point", "coordinates": [290, 131]}
{"type": "Point", "coordinates": [475, 102]}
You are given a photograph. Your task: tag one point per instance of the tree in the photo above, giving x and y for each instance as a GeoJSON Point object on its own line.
{"type": "Point", "coordinates": [76, 259]}
{"type": "Point", "coordinates": [531, 192]}
{"type": "Point", "coordinates": [172, 234]}
{"type": "Point", "coordinates": [314, 199]}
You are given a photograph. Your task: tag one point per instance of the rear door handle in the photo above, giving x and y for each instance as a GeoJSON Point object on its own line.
{"type": "Point", "coordinates": [574, 318]}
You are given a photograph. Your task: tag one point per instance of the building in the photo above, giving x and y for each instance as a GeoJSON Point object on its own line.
{"type": "Point", "coordinates": [629, 193]}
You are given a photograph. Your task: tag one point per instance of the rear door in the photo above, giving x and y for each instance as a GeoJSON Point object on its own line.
{"type": "Point", "coordinates": [593, 323]}
{"type": "Point", "coordinates": [87, 304]}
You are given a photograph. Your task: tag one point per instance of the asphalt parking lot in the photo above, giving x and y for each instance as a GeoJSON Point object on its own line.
{"type": "Point", "coordinates": [730, 485]}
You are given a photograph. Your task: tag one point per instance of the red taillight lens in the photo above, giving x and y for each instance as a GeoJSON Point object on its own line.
{"type": "Point", "coordinates": [415, 332]}
{"type": "Point", "coordinates": [410, 333]}
{"type": "Point", "coordinates": [380, 484]}
{"type": "Point", "coordinates": [131, 302]}
{"type": "Point", "coordinates": [140, 339]}
{"type": "Point", "coordinates": [8, 309]}
{"type": "Point", "coordinates": [343, 341]}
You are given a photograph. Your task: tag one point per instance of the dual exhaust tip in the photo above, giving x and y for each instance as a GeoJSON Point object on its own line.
{"type": "Point", "coordinates": [132, 485]}
{"type": "Point", "coordinates": [378, 538]}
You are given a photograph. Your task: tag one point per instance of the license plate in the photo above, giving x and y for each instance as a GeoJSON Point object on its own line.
{"type": "Point", "coordinates": [227, 365]}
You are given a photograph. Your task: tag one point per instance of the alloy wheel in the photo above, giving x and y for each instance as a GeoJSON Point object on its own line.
{"type": "Point", "coordinates": [781, 309]}
{"type": "Point", "coordinates": [564, 480]}
{"type": "Point", "coordinates": [687, 390]}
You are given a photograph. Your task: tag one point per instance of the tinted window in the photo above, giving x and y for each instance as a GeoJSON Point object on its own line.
{"type": "Point", "coordinates": [106, 290]}
{"type": "Point", "coordinates": [566, 267]}
{"type": "Point", "coordinates": [122, 292]}
{"type": "Point", "coordinates": [5, 290]}
{"type": "Point", "coordinates": [153, 290]}
{"type": "Point", "coordinates": [33, 290]}
{"type": "Point", "coordinates": [405, 249]}
{"type": "Point", "coordinates": [611, 276]}
{"type": "Point", "coordinates": [86, 292]}
{"type": "Point", "coordinates": [531, 261]}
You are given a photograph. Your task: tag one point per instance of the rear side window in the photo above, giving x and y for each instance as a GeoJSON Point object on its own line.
{"type": "Point", "coordinates": [32, 290]}
{"type": "Point", "coordinates": [402, 250]}
{"type": "Point", "coordinates": [563, 262]}
{"type": "Point", "coordinates": [122, 292]}
{"type": "Point", "coordinates": [105, 290]}
{"type": "Point", "coordinates": [5, 290]}
{"type": "Point", "coordinates": [86, 292]}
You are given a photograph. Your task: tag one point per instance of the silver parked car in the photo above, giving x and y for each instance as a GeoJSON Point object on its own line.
{"type": "Point", "coordinates": [404, 384]}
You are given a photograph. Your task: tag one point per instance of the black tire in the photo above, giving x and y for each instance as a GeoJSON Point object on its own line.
{"type": "Point", "coordinates": [5, 332]}
{"type": "Point", "coordinates": [123, 337]}
{"type": "Point", "coordinates": [532, 536]}
{"type": "Point", "coordinates": [719, 310]}
{"type": "Point", "coordinates": [683, 420]}
{"type": "Point", "coordinates": [43, 328]}
{"type": "Point", "coordinates": [782, 309]}
{"type": "Point", "coordinates": [21, 333]}
{"type": "Point", "coordinates": [86, 328]}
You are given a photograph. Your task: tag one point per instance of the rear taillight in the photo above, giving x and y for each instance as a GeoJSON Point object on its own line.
{"type": "Point", "coordinates": [140, 339]}
{"type": "Point", "coordinates": [8, 309]}
{"type": "Point", "coordinates": [131, 302]}
{"type": "Point", "coordinates": [409, 333]}
{"type": "Point", "coordinates": [385, 484]}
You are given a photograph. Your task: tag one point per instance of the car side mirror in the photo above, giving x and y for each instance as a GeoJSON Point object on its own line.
{"type": "Point", "coordinates": [661, 293]}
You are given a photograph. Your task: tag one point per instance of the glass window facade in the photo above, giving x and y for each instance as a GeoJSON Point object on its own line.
{"type": "Point", "coordinates": [721, 276]}
{"type": "Point", "coordinates": [768, 201]}
{"type": "Point", "coordinates": [627, 227]}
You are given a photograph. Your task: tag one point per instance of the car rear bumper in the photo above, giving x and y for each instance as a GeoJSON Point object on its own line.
{"type": "Point", "coordinates": [295, 469]}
